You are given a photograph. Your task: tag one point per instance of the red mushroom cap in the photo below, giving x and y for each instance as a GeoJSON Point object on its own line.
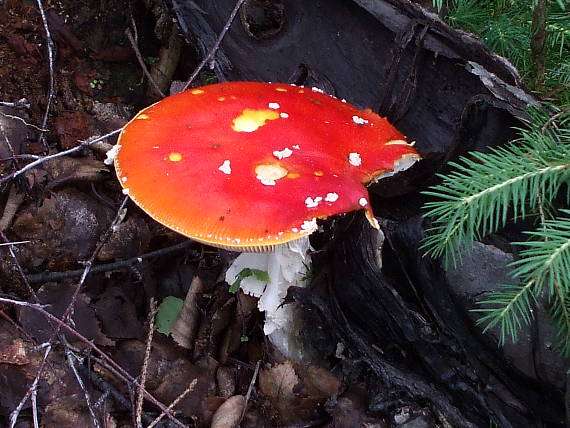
{"type": "Point", "coordinates": [248, 165]}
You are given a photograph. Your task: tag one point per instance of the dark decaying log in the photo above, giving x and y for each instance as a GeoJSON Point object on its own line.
{"type": "Point", "coordinates": [443, 89]}
{"type": "Point", "coordinates": [408, 330]}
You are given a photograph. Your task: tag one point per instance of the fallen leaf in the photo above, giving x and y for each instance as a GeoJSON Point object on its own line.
{"type": "Point", "coordinates": [57, 296]}
{"type": "Point", "coordinates": [201, 402]}
{"type": "Point", "coordinates": [116, 310]}
{"type": "Point", "coordinates": [184, 328]}
{"type": "Point", "coordinates": [228, 414]}
{"type": "Point", "coordinates": [69, 411]}
{"type": "Point", "coordinates": [129, 239]}
{"type": "Point", "coordinates": [285, 388]}
{"type": "Point", "coordinates": [62, 32]}
{"type": "Point", "coordinates": [65, 229]}
{"type": "Point", "coordinates": [67, 170]}
{"type": "Point", "coordinates": [19, 44]}
{"type": "Point", "coordinates": [279, 381]}
{"type": "Point", "coordinates": [226, 380]}
{"type": "Point", "coordinates": [319, 382]}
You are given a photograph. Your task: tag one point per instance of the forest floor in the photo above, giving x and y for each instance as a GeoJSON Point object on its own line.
{"type": "Point", "coordinates": [107, 366]}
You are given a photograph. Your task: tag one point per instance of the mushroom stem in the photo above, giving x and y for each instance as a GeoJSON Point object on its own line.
{"type": "Point", "coordinates": [287, 267]}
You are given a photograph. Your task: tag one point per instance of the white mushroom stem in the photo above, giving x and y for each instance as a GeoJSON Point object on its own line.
{"type": "Point", "coordinates": [286, 267]}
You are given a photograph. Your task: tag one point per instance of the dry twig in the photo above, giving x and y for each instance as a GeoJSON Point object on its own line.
{"type": "Point", "coordinates": [43, 159]}
{"type": "Point", "coordinates": [142, 64]}
{"type": "Point", "coordinates": [51, 90]}
{"type": "Point", "coordinates": [144, 371]}
{"type": "Point", "coordinates": [216, 45]}
{"type": "Point", "coordinates": [250, 389]}
{"type": "Point", "coordinates": [108, 267]}
{"type": "Point", "coordinates": [21, 119]}
{"type": "Point", "coordinates": [175, 402]}
{"type": "Point", "coordinates": [70, 358]}
{"type": "Point", "coordinates": [119, 371]}
{"type": "Point", "coordinates": [29, 288]}
{"type": "Point", "coordinates": [32, 391]}
{"type": "Point", "coordinates": [21, 103]}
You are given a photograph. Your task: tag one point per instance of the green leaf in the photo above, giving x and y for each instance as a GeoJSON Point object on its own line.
{"type": "Point", "coordinates": [167, 313]}
{"type": "Point", "coordinates": [258, 274]}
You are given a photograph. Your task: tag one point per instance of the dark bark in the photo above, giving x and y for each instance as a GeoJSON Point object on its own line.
{"type": "Point", "coordinates": [407, 329]}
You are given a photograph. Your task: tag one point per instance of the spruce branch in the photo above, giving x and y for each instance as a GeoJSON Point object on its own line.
{"type": "Point", "coordinates": [543, 269]}
{"type": "Point", "coordinates": [485, 191]}
{"type": "Point", "coordinates": [488, 189]}
{"type": "Point", "coordinates": [509, 309]}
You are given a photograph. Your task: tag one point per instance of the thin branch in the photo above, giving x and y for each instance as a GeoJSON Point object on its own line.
{"type": "Point", "coordinates": [113, 366]}
{"type": "Point", "coordinates": [70, 358]}
{"type": "Point", "coordinates": [51, 90]}
{"type": "Point", "coordinates": [43, 159]}
{"type": "Point", "coordinates": [144, 371]}
{"type": "Point", "coordinates": [31, 390]}
{"type": "Point", "coordinates": [108, 267]}
{"type": "Point", "coordinates": [29, 288]}
{"type": "Point", "coordinates": [553, 119]}
{"type": "Point", "coordinates": [216, 45]}
{"type": "Point", "coordinates": [31, 125]}
{"type": "Point", "coordinates": [175, 402]}
{"type": "Point", "coordinates": [103, 385]}
{"type": "Point", "coordinates": [142, 64]}
{"type": "Point", "coordinates": [70, 307]}
{"type": "Point", "coordinates": [250, 389]}
{"type": "Point", "coordinates": [21, 103]}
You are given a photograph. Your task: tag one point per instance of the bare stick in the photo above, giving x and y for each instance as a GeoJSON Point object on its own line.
{"type": "Point", "coordinates": [109, 390]}
{"type": "Point", "coordinates": [51, 90]}
{"type": "Point", "coordinates": [21, 103]}
{"type": "Point", "coordinates": [70, 307]}
{"type": "Point", "coordinates": [116, 368]}
{"type": "Point", "coordinates": [250, 389]}
{"type": "Point", "coordinates": [29, 288]}
{"type": "Point", "coordinates": [34, 400]}
{"type": "Point", "coordinates": [30, 392]}
{"type": "Point", "coordinates": [216, 45]}
{"type": "Point", "coordinates": [10, 147]}
{"type": "Point", "coordinates": [43, 159]}
{"type": "Point", "coordinates": [56, 276]}
{"type": "Point", "coordinates": [142, 64]}
{"type": "Point", "coordinates": [144, 371]}
{"type": "Point", "coordinates": [70, 358]}
{"type": "Point", "coordinates": [175, 402]}
{"type": "Point", "coordinates": [31, 125]}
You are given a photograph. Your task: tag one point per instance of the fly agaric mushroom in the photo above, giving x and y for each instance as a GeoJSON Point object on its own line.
{"type": "Point", "coordinates": [251, 167]}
